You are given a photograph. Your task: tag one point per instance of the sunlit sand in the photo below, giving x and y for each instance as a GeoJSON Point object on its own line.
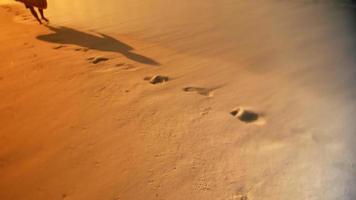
{"type": "Point", "coordinates": [205, 99]}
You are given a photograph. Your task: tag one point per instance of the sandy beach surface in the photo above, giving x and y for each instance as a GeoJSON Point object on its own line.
{"type": "Point", "coordinates": [260, 108]}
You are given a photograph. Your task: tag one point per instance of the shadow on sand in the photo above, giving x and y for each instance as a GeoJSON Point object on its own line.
{"type": "Point", "coordinates": [102, 42]}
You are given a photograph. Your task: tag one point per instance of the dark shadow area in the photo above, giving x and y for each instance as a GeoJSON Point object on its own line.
{"type": "Point", "coordinates": [102, 42]}
{"type": "Point", "coordinates": [246, 116]}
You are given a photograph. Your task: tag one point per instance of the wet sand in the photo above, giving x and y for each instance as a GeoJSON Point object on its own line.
{"type": "Point", "coordinates": [260, 108]}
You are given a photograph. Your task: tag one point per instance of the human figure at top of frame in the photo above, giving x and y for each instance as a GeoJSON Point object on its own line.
{"type": "Point", "coordinates": [40, 4]}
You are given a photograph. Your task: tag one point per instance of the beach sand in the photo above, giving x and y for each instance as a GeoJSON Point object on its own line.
{"type": "Point", "coordinates": [80, 118]}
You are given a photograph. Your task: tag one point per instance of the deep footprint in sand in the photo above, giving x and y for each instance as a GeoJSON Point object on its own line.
{"type": "Point", "coordinates": [247, 115]}
{"type": "Point", "coordinates": [209, 92]}
{"type": "Point", "coordinates": [96, 60]}
{"type": "Point", "coordinates": [157, 79]}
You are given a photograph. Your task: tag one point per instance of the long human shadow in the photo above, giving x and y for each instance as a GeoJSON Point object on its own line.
{"type": "Point", "coordinates": [101, 42]}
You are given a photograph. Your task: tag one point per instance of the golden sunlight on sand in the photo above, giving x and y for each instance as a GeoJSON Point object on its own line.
{"type": "Point", "coordinates": [134, 100]}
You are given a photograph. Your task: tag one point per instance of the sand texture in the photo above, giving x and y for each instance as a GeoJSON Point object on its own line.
{"type": "Point", "coordinates": [88, 115]}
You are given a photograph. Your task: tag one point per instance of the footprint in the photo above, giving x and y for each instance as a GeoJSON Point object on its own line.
{"type": "Point", "coordinates": [96, 60]}
{"type": "Point", "coordinates": [120, 64]}
{"type": "Point", "coordinates": [205, 111]}
{"type": "Point", "coordinates": [82, 49]}
{"type": "Point", "coordinates": [157, 79]}
{"type": "Point", "coordinates": [59, 47]}
{"type": "Point", "coordinates": [248, 116]}
{"type": "Point", "coordinates": [127, 67]}
{"type": "Point", "coordinates": [116, 68]}
{"type": "Point", "coordinates": [209, 92]}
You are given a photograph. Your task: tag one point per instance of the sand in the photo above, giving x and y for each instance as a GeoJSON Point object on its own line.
{"type": "Point", "coordinates": [80, 120]}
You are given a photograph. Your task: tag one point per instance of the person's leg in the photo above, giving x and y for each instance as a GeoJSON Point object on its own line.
{"type": "Point", "coordinates": [42, 15]}
{"type": "Point", "coordinates": [34, 13]}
